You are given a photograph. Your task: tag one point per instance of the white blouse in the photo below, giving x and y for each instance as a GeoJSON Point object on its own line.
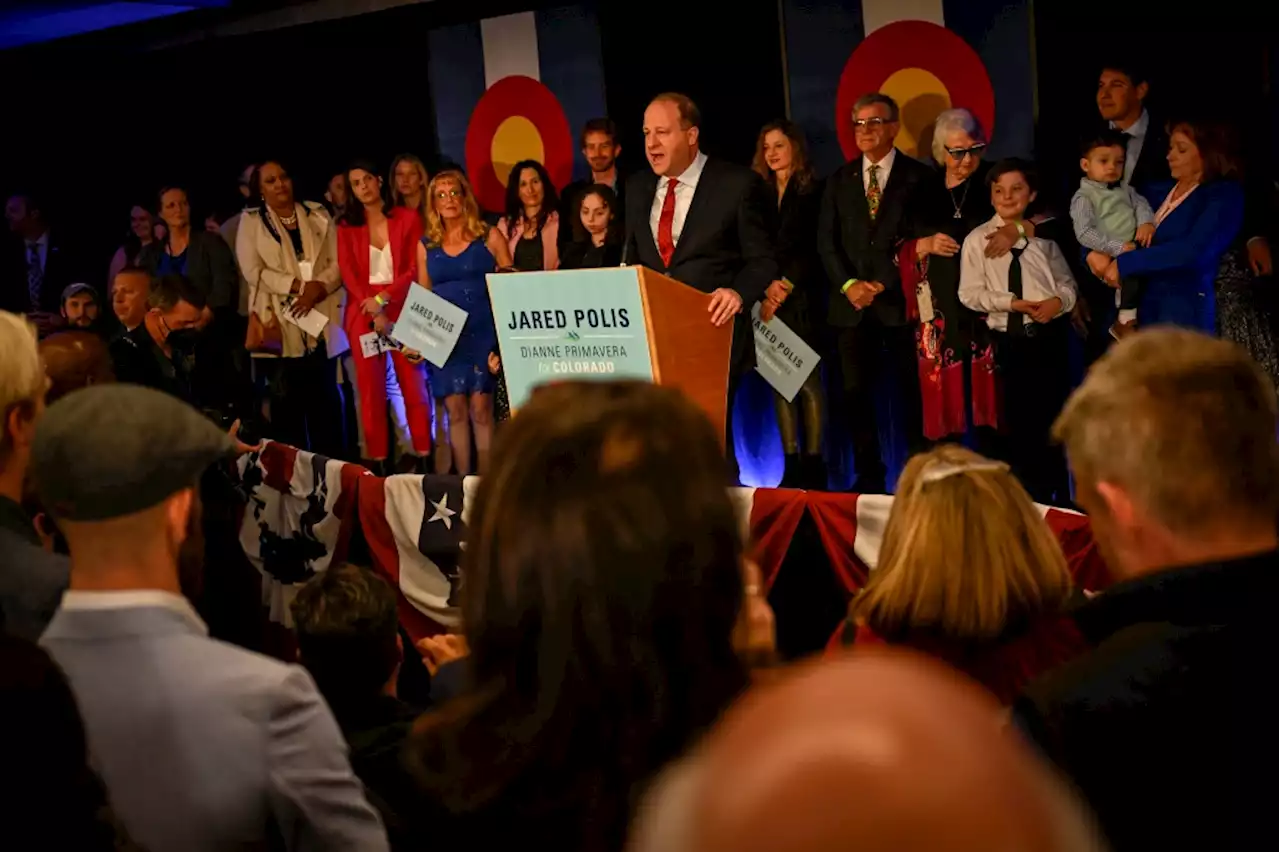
{"type": "Point", "coordinates": [381, 268]}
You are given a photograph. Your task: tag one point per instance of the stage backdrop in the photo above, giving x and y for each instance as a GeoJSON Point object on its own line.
{"type": "Point", "coordinates": [517, 87]}
{"type": "Point", "coordinates": [929, 55]}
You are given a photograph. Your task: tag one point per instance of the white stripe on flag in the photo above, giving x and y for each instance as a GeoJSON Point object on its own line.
{"type": "Point", "coordinates": [872, 515]}
{"type": "Point", "coordinates": [421, 581]}
{"type": "Point", "coordinates": [510, 47]}
{"type": "Point", "coordinates": [881, 13]}
{"type": "Point", "coordinates": [743, 499]}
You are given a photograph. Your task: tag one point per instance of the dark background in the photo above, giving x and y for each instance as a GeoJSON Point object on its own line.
{"type": "Point", "coordinates": [99, 122]}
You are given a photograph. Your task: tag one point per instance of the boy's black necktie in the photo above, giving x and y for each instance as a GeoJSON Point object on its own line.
{"type": "Point", "coordinates": [1015, 326]}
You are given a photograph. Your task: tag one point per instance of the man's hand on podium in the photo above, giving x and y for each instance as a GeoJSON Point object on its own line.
{"type": "Point", "coordinates": [724, 304]}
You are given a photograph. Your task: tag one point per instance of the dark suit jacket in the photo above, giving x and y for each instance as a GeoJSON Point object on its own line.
{"type": "Point", "coordinates": [852, 247]}
{"type": "Point", "coordinates": [725, 241]}
{"type": "Point", "coordinates": [211, 268]}
{"type": "Point", "coordinates": [1153, 166]}
{"type": "Point", "coordinates": [61, 268]}
{"type": "Point", "coordinates": [1161, 726]}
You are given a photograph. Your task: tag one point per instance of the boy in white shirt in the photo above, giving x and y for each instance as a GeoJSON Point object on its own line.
{"type": "Point", "coordinates": [1024, 295]}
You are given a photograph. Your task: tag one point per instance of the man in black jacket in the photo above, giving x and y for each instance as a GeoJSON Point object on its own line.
{"type": "Point", "coordinates": [861, 221]}
{"type": "Point", "coordinates": [702, 221]}
{"type": "Point", "coordinates": [1163, 725]}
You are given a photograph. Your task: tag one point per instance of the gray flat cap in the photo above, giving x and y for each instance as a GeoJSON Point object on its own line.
{"type": "Point", "coordinates": [114, 450]}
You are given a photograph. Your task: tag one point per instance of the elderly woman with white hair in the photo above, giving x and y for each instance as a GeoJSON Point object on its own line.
{"type": "Point", "coordinates": [956, 381]}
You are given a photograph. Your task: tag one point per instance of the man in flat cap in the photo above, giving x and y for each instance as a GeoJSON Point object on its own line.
{"type": "Point", "coordinates": [80, 306]}
{"type": "Point", "coordinates": [202, 745]}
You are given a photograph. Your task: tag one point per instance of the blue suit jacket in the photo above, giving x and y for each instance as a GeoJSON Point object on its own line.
{"type": "Point", "coordinates": [205, 746]}
{"type": "Point", "coordinates": [1180, 266]}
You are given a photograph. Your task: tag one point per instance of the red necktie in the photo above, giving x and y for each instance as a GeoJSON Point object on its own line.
{"type": "Point", "coordinates": [666, 244]}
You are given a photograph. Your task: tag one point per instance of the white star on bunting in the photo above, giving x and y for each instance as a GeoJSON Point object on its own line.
{"type": "Point", "coordinates": [443, 512]}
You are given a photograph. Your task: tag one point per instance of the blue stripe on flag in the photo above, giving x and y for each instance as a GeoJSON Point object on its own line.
{"type": "Point", "coordinates": [820, 37]}
{"type": "Point", "coordinates": [572, 67]}
{"type": "Point", "coordinates": [455, 68]}
{"type": "Point", "coordinates": [1000, 31]}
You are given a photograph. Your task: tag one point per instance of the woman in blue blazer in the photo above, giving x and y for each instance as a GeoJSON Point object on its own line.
{"type": "Point", "coordinates": [1197, 222]}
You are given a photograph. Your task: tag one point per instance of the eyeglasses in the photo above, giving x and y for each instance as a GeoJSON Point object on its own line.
{"type": "Point", "coordinates": [870, 123]}
{"type": "Point", "coordinates": [972, 150]}
{"type": "Point", "coordinates": [448, 193]}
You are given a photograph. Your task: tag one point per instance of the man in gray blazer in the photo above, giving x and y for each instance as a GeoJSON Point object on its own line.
{"type": "Point", "coordinates": [202, 745]}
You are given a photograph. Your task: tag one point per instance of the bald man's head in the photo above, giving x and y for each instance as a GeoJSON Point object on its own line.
{"type": "Point", "coordinates": [74, 360]}
{"type": "Point", "coordinates": [873, 751]}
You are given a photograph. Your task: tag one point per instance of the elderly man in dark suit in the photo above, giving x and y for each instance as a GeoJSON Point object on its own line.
{"type": "Point", "coordinates": [862, 214]}
{"type": "Point", "coordinates": [701, 221]}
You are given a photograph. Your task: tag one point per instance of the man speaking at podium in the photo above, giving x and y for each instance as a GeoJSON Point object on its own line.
{"type": "Point", "coordinates": [702, 222]}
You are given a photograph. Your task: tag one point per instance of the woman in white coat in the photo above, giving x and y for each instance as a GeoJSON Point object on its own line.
{"type": "Point", "coordinates": [287, 251]}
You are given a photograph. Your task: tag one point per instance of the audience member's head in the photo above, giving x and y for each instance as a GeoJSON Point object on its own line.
{"type": "Point", "coordinates": [80, 306]}
{"type": "Point", "coordinates": [52, 798]}
{"type": "Point", "coordinates": [117, 466]}
{"type": "Point", "coordinates": [598, 214]}
{"type": "Point", "coordinates": [1102, 156]}
{"type": "Point", "coordinates": [600, 593]}
{"type": "Point", "coordinates": [671, 127]}
{"type": "Point", "coordinates": [1122, 88]}
{"type": "Point", "coordinates": [1013, 183]}
{"type": "Point", "coordinates": [175, 208]}
{"type": "Point", "coordinates": [348, 638]}
{"type": "Point", "coordinates": [175, 307]}
{"type": "Point", "coordinates": [23, 385]}
{"type": "Point", "coordinates": [600, 147]}
{"type": "Point", "coordinates": [74, 360]}
{"type": "Point", "coordinates": [1202, 149]}
{"type": "Point", "coordinates": [1172, 440]}
{"type": "Point", "coordinates": [129, 294]}
{"type": "Point", "coordinates": [876, 122]}
{"type": "Point", "coordinates": [966, 555]}
{"type": "Point", "coordinates": [871, 751]}
{"type": "Point", "coordinates": [25, 216]}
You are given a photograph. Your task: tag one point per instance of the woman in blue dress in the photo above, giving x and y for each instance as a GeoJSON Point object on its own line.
{"type": "Point", "coordinates": [456, 254]}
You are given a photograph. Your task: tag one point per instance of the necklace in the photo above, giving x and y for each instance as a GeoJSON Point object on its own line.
{"type": "Point", "coordinates": [289, 221]}
{"type": "Point", "coordinates": [952, 192]}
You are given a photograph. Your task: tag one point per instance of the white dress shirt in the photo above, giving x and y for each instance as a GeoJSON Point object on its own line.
{"type": "Point", "coordinates": [382, 269]}
{"type": "Point", "coordinates": [687, 186]}
{"type": "Point", "coordinates": [76, 600]}
{"type": "Point", "coordinates": [984, 281]}
{"type": "Point", "coordinates": [882, 175]}
{"type": "Point", "coordinates": [1137, 133]}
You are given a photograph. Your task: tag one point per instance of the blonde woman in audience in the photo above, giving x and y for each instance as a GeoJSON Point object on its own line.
{"type": "Point", "coordinates": [969, 572]}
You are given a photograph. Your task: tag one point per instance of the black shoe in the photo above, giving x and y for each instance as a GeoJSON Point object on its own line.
{"type": "Point", "coordinates": [792, 473]}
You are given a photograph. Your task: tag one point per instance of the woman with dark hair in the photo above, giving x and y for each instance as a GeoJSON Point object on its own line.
{"type": "Point", "coordinates": [800, 293]}
{"type": "Point", "coordinates": [288, 254]}
{"type": "Point", "coordinates": [142, 227]}
{"type": "Point", "coordinates": [1197, 222]}
{"type": "Point", "coordinates": [203, 257]}
{"type": "Point", "coordinates": [600, 648]}
{"type": "Point", "coordinates": [597, 230]}
{"type": "Point", "coordinates": [53, 799]}
{"type": "Point", "coordinates": [377, 246]}
{"type": "Point", "coordinates": [531, 225]}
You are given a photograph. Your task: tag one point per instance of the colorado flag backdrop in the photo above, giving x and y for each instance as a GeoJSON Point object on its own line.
{"type": "Point", "coordinates": [513, 88]}
{"type": "Point", "coordinates": [928, 55]}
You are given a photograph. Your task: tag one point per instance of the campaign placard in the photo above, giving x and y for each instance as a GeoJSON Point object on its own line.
{"type": "Point", "coordinates": [782, 357]}
{"type": "Point", "coordinates": [570, 324]}
{"type": "Point", "coordinates": [429, 324]}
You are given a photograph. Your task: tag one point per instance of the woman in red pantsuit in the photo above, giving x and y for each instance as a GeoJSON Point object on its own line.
{"type": "Point", "coordinates": [377, 252]}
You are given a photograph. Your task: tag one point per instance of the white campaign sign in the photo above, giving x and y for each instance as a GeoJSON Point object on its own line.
{"type": "Point", "coordinates": [429, 325]}
{"type": "Point", "coordinates": [782, 357]}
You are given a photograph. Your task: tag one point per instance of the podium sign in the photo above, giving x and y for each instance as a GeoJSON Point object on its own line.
{"type": "Point", "coordinates": [569, 325]}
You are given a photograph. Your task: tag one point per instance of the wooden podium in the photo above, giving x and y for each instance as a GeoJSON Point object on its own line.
{"type": "Point", "coordinates": [687, 351]}
{"type": "Point", "coordinates": [613, 323]}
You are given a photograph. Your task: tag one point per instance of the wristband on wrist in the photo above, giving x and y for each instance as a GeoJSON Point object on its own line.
{"type": "Point", "coordinates": [787, 285]}
{"type": "Point", "coordinates": [844, 288]}
{"type": "Point", "coordinates": [381, 300]}
{"type": "Point", "coordinates": [1022, 231]}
